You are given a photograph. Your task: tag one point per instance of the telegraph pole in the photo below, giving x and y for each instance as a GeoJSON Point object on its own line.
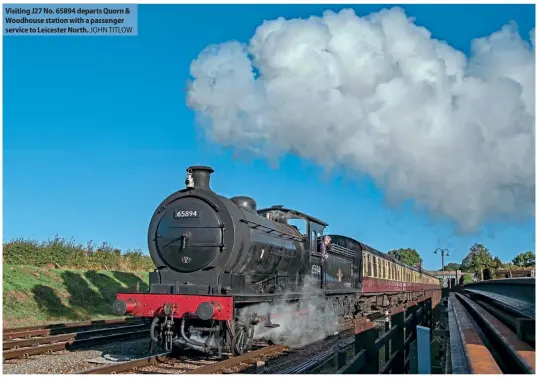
{"type": "Point", "coordinates": [442, 251]}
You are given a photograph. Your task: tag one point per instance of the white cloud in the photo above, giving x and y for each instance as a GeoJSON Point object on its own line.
{"type": "Point", "coordinates": [378, 95]}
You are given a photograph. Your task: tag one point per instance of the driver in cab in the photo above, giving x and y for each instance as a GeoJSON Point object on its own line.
{"type": "Point", "coordinates": [323, 248]}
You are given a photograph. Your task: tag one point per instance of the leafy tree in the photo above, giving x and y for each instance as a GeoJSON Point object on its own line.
{"type": "Point", "coordinates": [526, 259]}
{"type": "Point", "coordinates": [497, 263]}
{"type": "Point", "coordinates": [407, 256]}
{"type": "Point", "coordinates": [478, 260]}
{"type": "Point", "coordinates": [465, 279]}
{"type": "Point", "coordinates": [452, 266]}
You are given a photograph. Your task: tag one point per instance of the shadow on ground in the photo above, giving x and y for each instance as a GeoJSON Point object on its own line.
{"type": "Point", "coordinates": [84, 301]}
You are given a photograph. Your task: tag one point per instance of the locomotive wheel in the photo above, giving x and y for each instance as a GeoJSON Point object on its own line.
{"type": "Point", "coordinates": [243, 336]}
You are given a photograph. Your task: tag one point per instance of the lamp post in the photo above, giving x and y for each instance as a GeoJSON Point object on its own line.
{"type": "Point", "coordinates": [442, 251]}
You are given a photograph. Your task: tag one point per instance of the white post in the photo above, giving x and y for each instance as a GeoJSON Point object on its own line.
{"type": "Point", "coordinates": [423, 350]}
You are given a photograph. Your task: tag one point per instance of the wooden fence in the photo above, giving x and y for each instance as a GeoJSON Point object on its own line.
{"type": "Point", "coordinates": [398, 335]}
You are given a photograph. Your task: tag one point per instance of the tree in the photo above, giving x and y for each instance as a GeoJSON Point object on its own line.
{"type": "Point", "coordinates": [407, 256]}
{"type": "Point", "coordinates": [465, 279]}
{"type": "Point", "coordinates": [478, 260]}
{"type": "Point", "coordinates": [452, 267]}
{"type": "Point", "coordinates": [497, 263]}
{"type": "Point", "coordinates": [526, 259]}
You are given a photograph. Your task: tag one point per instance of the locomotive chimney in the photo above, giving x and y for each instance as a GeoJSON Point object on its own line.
{"type": "Point", "coordinates": [200, 176]}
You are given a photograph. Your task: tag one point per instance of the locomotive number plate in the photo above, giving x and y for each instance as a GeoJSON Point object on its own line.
{"type": "Point", "coordinates": [186, 214]}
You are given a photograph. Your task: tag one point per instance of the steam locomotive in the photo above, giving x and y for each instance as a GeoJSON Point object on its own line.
{"type": "Point", "coordinates": [216, 257]}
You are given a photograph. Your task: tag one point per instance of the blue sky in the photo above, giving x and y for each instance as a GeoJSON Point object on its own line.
{"type": "Point", "coordinates": [97, 134]}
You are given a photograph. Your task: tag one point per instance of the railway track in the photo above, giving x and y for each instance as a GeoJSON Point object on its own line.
{"type": "Point", "coordinates": [52, 329]}
{"type": "Point", "coordinates": [169, 363]}
{"type": "Point", "coordinates": [207, 367]}
{"type": "Point", "coordinates": [29, 341]}
{"type": "Point", "coordinates": [487, 337]}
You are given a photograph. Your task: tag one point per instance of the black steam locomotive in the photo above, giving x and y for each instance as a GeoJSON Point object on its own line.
{"type": "Point", "coordinates": [215, 257]}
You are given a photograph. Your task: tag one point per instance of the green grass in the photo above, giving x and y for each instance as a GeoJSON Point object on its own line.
{"type": "Point", "coordinates": [37, 295]}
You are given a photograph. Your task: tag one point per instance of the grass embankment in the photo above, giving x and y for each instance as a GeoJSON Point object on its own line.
{"type": "Point", "coordinates": [41, 295]}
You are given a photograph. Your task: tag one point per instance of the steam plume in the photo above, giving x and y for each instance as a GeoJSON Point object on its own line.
{"type": "Point", "coordinates": [378, 96]}
{"type": "Point", "coordinates": [295, 330]}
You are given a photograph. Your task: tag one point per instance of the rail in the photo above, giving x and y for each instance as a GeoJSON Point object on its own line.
{"type": "Point", "coordinates": [165, 357]}
{"type": "Point", "coordinates": [486, 337]}
{"type": "Point", "coordinates": [52, 329]}
{"type": "Point", "coordinates": [25, 348]}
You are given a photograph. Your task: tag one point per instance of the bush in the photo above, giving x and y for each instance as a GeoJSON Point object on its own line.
{"type": "Point", "coordinates": [466, 279]}
{"type": "Point", "coordinates": [61, 253]}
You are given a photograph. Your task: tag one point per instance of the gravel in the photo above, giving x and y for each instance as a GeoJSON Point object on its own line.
{"type": "Point", "coordinates": [64, 362]}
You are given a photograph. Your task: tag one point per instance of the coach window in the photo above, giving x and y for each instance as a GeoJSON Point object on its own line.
{"type": "Point", "coordinates": [365, 265]}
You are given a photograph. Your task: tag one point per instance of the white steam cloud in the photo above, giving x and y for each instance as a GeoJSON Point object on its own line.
{"type": "Point", "coordinates": [314, 323]}
{"type": "Point", "coordinates": [377, 95]}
